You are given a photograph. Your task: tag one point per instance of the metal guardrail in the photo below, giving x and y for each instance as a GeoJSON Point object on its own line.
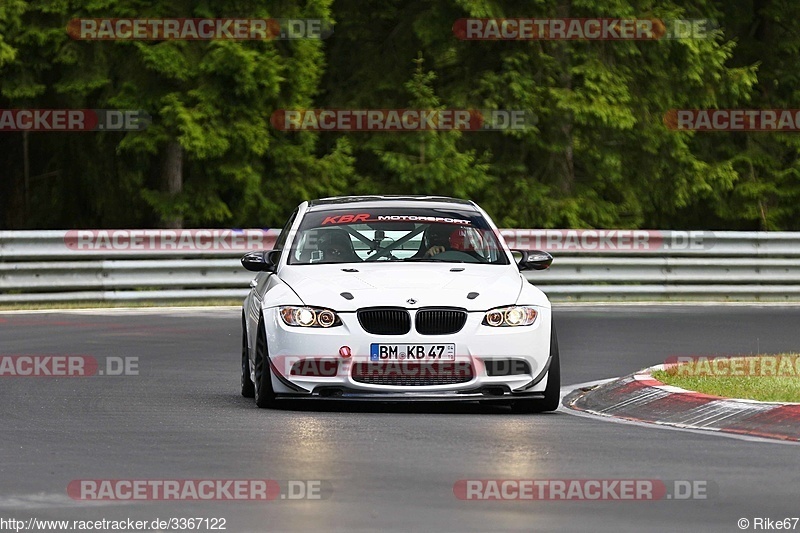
{"type": "Point", "coordinates": [590, 265]}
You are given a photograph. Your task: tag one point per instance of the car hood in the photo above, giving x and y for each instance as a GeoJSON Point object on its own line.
{"type": "Point", "coordinates": [381, 284]}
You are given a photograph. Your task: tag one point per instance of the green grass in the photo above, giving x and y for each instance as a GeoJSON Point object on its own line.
{"type": "Point", "coordinates": [101, 305]}
{"type": "Point", "coordinates": [759, 385]}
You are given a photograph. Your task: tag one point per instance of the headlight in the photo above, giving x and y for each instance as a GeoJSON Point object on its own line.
{"type": "Point", "coordinates": [326, 318]}
{"type": "Point", "coordinates": [309, 317]}
{"type": "Point", "coordinates": [516, 315]}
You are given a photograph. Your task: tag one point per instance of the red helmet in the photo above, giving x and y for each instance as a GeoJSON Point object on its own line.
{"type": "Point", "coordinates": [460, 240]}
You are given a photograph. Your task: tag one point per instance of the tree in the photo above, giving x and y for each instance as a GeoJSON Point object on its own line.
{"type": "Point", "coordinates": [209, 157]}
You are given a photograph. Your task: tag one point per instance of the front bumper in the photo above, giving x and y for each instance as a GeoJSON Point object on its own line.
{"type": "Point", "coordinates": [475, 344]}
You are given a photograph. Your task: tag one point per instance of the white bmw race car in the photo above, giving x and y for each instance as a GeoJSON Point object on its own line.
{"type": "Point", "coordinates": [395, 298]}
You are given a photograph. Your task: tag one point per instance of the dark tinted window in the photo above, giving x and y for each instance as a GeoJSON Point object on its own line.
{"type": "Point", "coordinates": [281, 242]}
{"type": "Point", "coordinates": [355, 235]}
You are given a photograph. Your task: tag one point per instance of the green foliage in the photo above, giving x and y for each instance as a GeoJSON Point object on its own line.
{"type": "Point", "coordinates": [428, 162]}
{"type": "Point", "coordinates": [599, 154]}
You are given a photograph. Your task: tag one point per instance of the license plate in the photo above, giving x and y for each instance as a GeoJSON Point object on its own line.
{"type": "Point", "coordinates": [412, 352]}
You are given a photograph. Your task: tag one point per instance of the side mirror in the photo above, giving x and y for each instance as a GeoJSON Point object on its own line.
{"type": "Point", "coordinates": [533, 259]}
{"type": "Point", "coordinates": [261, 261]}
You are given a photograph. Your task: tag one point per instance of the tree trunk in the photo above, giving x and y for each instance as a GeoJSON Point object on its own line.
{"type": "Point", "coordinates": [172, 180]}
{"type": "Point", "coordinates": [566, 167]}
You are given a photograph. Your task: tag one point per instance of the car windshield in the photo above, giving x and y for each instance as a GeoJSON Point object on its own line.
{"type": "Point", "coordinates": [358, 235]}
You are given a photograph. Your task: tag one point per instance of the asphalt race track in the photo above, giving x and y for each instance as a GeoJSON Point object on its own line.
{"type": "Point", "coordinates": [182, 417]}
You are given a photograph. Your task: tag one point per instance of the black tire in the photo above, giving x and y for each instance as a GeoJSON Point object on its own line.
{"type": "Point", "coordinates": [552, 392]}
{"type": "Point", "coordinates": [248, 388]}
{"type": "Point", "coordinates": [264, 393]}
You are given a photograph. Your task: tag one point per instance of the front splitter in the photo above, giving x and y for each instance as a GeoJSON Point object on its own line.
{"type": "Point", "coordinates": [413, 397]}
